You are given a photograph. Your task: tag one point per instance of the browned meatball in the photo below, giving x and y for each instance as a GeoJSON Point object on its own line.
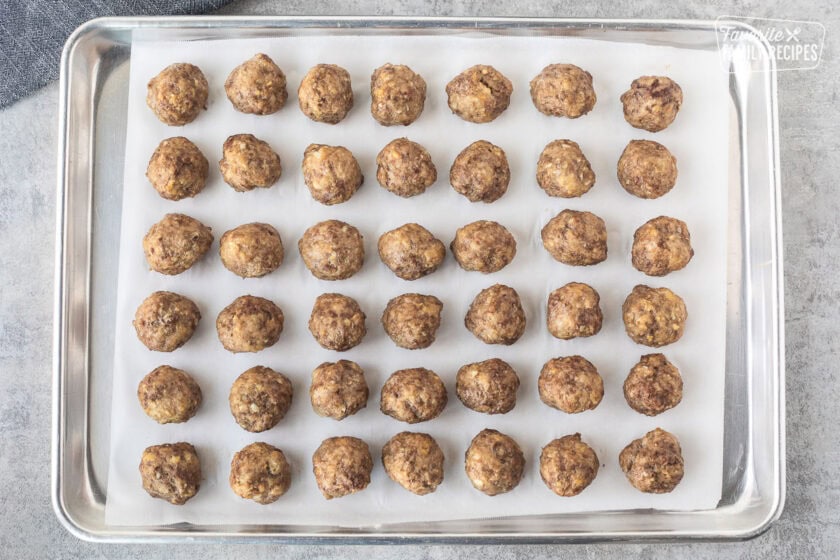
{"type": "Point", "coordinates": [260, 472]}
{"type": "Point", "coordinates": [325, 93]}
{"type": "Point", "coordinates": [411, 251]}
{"type": "Point", "coordinates": [563, 170]}
{"type": "Point", "coordinates": [249, 324]}
{"type": "Point", "coordinates": [413, 395]}
{"type": "Point", "coordinates": [412, 320]}
{"type": "Point", "coordinates": [178, 94]}
{"type": "Point", "coordinates": [647, 169]}
{"type": "Point", "coordinates": [568, 465]}
{"type": "Point", "coordinates": [576, 238]}
{"type": "Point", "coordinates": [405, 168]}
{"type": "Point", "coordinates": [574, 311]}
{"type": "Point", "coordinates": [494, 462]}
{"type": "Point", "coordinates": [480, 172]}
{"type": "Point", "coordinates": [652, 102]}
{"type": "Point", "coordinates": [479, 94]}
{"type": "Point", "coordinates": [653, 386]}
{"type": "Point", "coordinates": [342, 466]}
{"type": "Point", "coordinates": [397, 95]}
{"type": "Point", "coordinates": [489, 386]}
{"type": "Point", "coordinates": [653, 463]}
{"type": "Point", "coordinates": [331, 173]}
{"type": "Point", "coordinates": [571, 384]}
{"type": "Point", "coordinates": [654, 316]}
{"type": "Point", "coordinates": [176, 243]}
{"type": "Point", "coordinates": [485, 246]}
{"type": "Point", "coordinates": [496, 316]}
{"type": "Point", "coordinates": [337, 322]}
{"type": "Point", "coordinates": [332, 250]}
{"type": "Point", "coordinates": [248, 163]}
{"type": "Point", "coordinates": [257, 86]}
{"type": "Point", "coordinates": [251, 250]}
{"type": "Point", "coordinates": [563, 90]}
{"type": "Point", "coordinates": [165, 321]}
{"type": "Point", "coordinates": [260, 398]}
{"type": "Point", "coordinates": [171, 472]}
{"type": "Point", "coordinates": [414, 461]}
{"type": "Point", "coordinates": [338, 389]}
{"type": "Point", "coordinates": [661, 245]}
{"type": "Point", "coordinates": [177, 169]}
{"type": "Point", "coordinates": [169, 395]}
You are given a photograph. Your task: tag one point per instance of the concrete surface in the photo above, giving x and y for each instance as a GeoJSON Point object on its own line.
{"type": "Point", "coordinates": [810, 128]}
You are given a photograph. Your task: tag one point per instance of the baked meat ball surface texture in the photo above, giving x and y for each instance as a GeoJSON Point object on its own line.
{"type": "Point", "coordinates": [251, 250]}
{"type": "Point", "coordinates": [413, 395]}
{"type": "Point", "coordinates": [414, 461]}
{"type": "Point", "coordinates": [568, 465]}
{"type": "Point", "coordinates": [337, 322]}
{"type": "Point", "coordinates": [260, 472]}
{"type": "Point", "coordinates": [652, 102]}
{"type": "Point", "coordinates": [661, 246]}
{"type": "Point", "coordinates": [494, 462]}
{"type": "Point", "coordinates": [563, 90]}
{"type": "Point", "coordinates": [496, 315]}
{"type": "Point", "coordinates": [647, 169]}
{"type": "Point", "coordinates": [576, 238]}
{"type": "Point", "coordinates": [331, 173]}
{"type": "Point", "coordinates": [412, 320]}
{"type": "Point", "coordinates": [397, 95]}
{"type": "Point", "coordinates": [171, 472]}
{"type": "Point", "coordinates": [411, 251]}
{"type": "Point", "coordinates": [484, 246]}
{"type": "Point", "coordinates": [165, 321]}
{"type": "Point", "coordinates": [479, 94]}
{"type": "Point", "coordinates": [332, 250]}
{"type": "Point", "coordinates": [326, 94]}
{"type": "Point", "coordinates": [405, 168]}
{"type": "Point", "coordinates": [653, 386]}
{"type": "Point", "coordinates": [338, 389]}
{"type": "Point", "coordinates": [177, 169]}
{"type": "Point", "coordinates": [178, 94]}
{"type": "Point", "coordinates": [257, 86]}
{"type": "Point", "coordinates": [169, 395]}
{"type": "Point", "coordinates": [480, 172]}
{"type": "Point", "coordinates": [574, 311]}
{"type": "Point", "coordinates": [654, 316]}
{"type": "Point", "coordinates": [176, 243]}
{"type": "Point", "coordinates": [489, 386]}
{"type": "Point", "coordinates": [260, 398]}
{"type": "Point", "coordinates": [342, 466]}
{"type": "Point", "coordinates": [570, 384]}
{"type": "Point", "coordinates": [653, 463]}
{"type": "Point", "coordinates": [249, 324]}
{"type": "Point", "coordinates": [248, 163]}
{"type": "Point", "coordinates": [563, 171]}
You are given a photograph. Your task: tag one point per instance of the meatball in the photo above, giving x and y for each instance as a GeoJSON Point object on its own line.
{"type": "Point", "coordinates": [260, 398]}
{"type": "Point", "coordinates": [653, 386]}
{"type": "Point", "coordinates": [397, 95]}
{"type": "Point", "coordinates": [563, 170]}
{"type": "Point", "coordinates": [338, 389]}
{"type": "Point", "coordinates": [574, 311]}
{"type": "Point", "coordinates": [251, 250]}
{"type": "Point", "coordinates": [661, 245]}
{"type": "Point", "coordinates": [177, 169]}
{"type": "Point", "coordinates": [412, 320]}
{"type": "Point", "coordinates": [496, 316]}
{"type": "Point", "coordinates": [342, 466]}
{"type": "Point", "coordinates": [563, 90]}
{"type": "Point", "coordinates": [413, 395]}
{"type": "Point", "coordinates": [654, 316]}
{"type": "Point", "coordinates": [576, 238]}
{"type": "Point", "coordinates": [176, 243]}
{"type": "Point", "coordinates": [171, 472]}
{"type": "Point", "coordinates": [165, 321]}
{"type": "Point", "coordinates": [480, 172]}
{"type": "Point", "coordinates": [494, 462]}
{"type": "Point", "coordinates": [405, 168]}
{"type": "Point", "coordinates": [325, 93]}
{"type": "Point", "coordinates": [169, 395]}
{"type": "Point", "coordinates": [260, 472]}
{"type": "Point", "coordinates": [249, 324]}
{"type": "Point", "coordinates": [571, 384]}
{"type": "Point", "coordinates": [484, 246]}
{"type": "Point", "coordinates": [652, 102]}
{"type": "Point", "coordinates": [489, 386]}
{"type": "Point", "coordinates": [647, 169]}
{"type": "Point", "coordinates": [257, 86]}
{"type": "Point", "coordinates": [411, 251]}
{"type": "Point", "coordinates": [479, 94]}
{"type": "Point", "coordinates": [331, 173]}
{"type": "Point", "coordinates": [337, 322]}
{"type": "Point", "coordinates": [568, 465]}
{"type": "Point", "coordinates": [332, 250]}
{"type": "Point", "coordinates": [178, 94]}
{"type": "Point", "coordinates": [653, 463]}
{"type": "Point", "coordinates": [248, 163]}
{"type": "Point", "coordinates": [414, 461]}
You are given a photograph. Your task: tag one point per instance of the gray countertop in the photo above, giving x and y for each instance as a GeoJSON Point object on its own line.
{"type": "Point", "coordinates": [809, 115]}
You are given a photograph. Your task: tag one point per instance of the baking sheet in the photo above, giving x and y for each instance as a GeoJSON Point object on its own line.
{"type": "Point", "coordinates": [699, 141]}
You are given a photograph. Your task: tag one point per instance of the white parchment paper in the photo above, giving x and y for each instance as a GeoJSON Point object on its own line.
{"type": "Point", "coordinates": [698, 139]}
